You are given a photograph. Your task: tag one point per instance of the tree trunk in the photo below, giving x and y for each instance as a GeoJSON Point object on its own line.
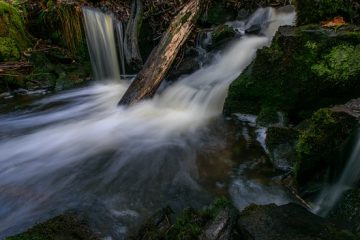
{"type": "Point", "coordinates": [131, 43]}
{"type": "Point", "coordinates": [149, 78]}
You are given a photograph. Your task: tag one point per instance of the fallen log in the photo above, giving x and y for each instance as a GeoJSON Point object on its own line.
{"type": "Point", "coordinates": [161, 58]}
{"type": "Point", "coordinates": [131, 42]}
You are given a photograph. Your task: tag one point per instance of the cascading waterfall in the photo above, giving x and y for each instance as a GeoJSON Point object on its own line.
{"type": "Point", "coordinates": [78, 148]}
{"type": "Point", "coordinates": [99, 29]}
{"type": "Point", "coordinates": [120, 41]}
{"type": "Point", "coordinates": [348, 179]}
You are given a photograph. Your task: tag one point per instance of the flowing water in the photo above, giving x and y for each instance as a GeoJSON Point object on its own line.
{"type": "Point", "coordinates": [77, 150]}
{"type": "Point", "coordinates": [99, 29]}
{"type": "Point", "coordinates": [350, 176]}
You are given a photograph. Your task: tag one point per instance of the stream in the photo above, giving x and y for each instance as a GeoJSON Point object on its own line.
{"type": "Point", "coordinates": [78, 150]}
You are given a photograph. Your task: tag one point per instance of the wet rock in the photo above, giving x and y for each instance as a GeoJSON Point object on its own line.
{"type": "Point", "coordinates": [352, 108]}
{"type": "Point", "coordinates": [187, 66]}
{"type": "Point", "coordinates": [347, 211]}
{"type": "Point", "coordinates": [222, 34]}
{"type": "Point", "coordinates": [222, 227]}
{"type": "Point", "coordinates": [281, 144]}
{"type": "Point", "coordinates": [291, 221]}
{"type": "Point", "coordinates": [156, 226]}
{"type": "Point", "coordinates": [69, 226]}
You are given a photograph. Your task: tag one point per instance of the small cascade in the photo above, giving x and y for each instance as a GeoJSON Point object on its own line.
{"type": "Point", "coordinates": [120, 41]}
{"type": "Point", "coordinates": [99, 28]}
{"type": "Point", "coordinates": [348, 179]}
{"type": "Point", "coordinates": [77, 147]}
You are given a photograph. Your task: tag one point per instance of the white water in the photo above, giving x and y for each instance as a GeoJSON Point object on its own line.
{"type": "Point", "coordinates": [99, 29]}
{"type": "Point", "coordinates": [78, 145]}
{"type": "Point", "coordinates": [348, 179]}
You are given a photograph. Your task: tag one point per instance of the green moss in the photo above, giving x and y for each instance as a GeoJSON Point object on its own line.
{"type": "Point", "coordinates": [268, 115]}
{"type": "Point", "coordinates": [320, 144]}
{"type": "Point", "coordinates": [9, 50]}
{"type": "Point", "coordinates": [13, 37]}
{"type": "Point", "coordinates": [221, 33]}
{"type": "Point", "coordinates": [340, 66]}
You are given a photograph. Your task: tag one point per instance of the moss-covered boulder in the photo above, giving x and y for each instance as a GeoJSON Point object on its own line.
{"type": "Point", "coordinates": [304, 69]}
{"type": "Point", "coordinates": [291, 221]}
{"type": "Point", "coordinates": [320, 145]}
{"type": "Point", "coordinates": [310, 11]}
{"type": "Point", "coordinates": [68, 226]}
{"type": "Point", "coordinates": [221, 34]}
{"type": "Point", "coordinates": [347, 211]}
{"type": "Point", "coordinates": [13, 37]}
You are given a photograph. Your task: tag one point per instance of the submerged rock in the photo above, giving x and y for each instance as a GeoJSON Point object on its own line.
{"type": "Point", "coordinates": [291, 221]}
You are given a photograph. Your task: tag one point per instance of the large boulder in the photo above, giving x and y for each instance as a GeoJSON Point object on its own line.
{"type": "Point", "coordinates": [13, 37]}
{"type": "Point", "coordinates": [304, 69]}
{"type": "Point", "coordinates": [287, 222]}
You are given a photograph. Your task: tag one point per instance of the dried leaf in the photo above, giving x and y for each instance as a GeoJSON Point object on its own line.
{"type": "Point", "coordinates": [334, 23]}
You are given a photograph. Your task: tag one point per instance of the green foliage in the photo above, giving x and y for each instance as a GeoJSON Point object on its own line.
{"type": "Point", "coordinates": [63, 22]}
{"type": "Point", "coordinates": [340, 66]}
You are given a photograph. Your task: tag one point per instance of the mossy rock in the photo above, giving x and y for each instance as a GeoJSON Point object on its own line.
{"type": "Point", "coordinates": [320, 145]}
{"type": "Point", "coordinates": [347, 210]}
{"type": "Point", "coordinates": [13, 37]}
{"type": "Point", "coordinates": [221, 34]}
{"type": "Point", "coordinates": [304, 69]}
{"type": "Point", "coordinates": [64, 227]}
{"type": "Point", "coordinates": [310, 11]}
{"type": "Point", "coordinates": [190, 223]}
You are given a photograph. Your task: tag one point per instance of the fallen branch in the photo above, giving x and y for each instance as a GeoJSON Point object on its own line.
{"type": "Point", "coordinates": [161, 58]}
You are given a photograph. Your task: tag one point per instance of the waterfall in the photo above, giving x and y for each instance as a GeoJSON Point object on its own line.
{"type": "Point", "coordinates": [70, 148]}
{"type": "Point", "coordinates": [120, 41]}
{"type": "Point", "coordinates": [99, 29]}
{"type": "Point", "coordinates": [348, 179]}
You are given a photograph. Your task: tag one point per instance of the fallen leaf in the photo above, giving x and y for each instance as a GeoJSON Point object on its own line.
{"type": "Point", "coordinates": [336, 22]}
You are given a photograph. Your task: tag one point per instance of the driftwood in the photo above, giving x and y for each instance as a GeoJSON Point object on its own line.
{"type": "Point", "coordinates": [131, 42]}
{"type": "Point", "coordinates": [161, 58]}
